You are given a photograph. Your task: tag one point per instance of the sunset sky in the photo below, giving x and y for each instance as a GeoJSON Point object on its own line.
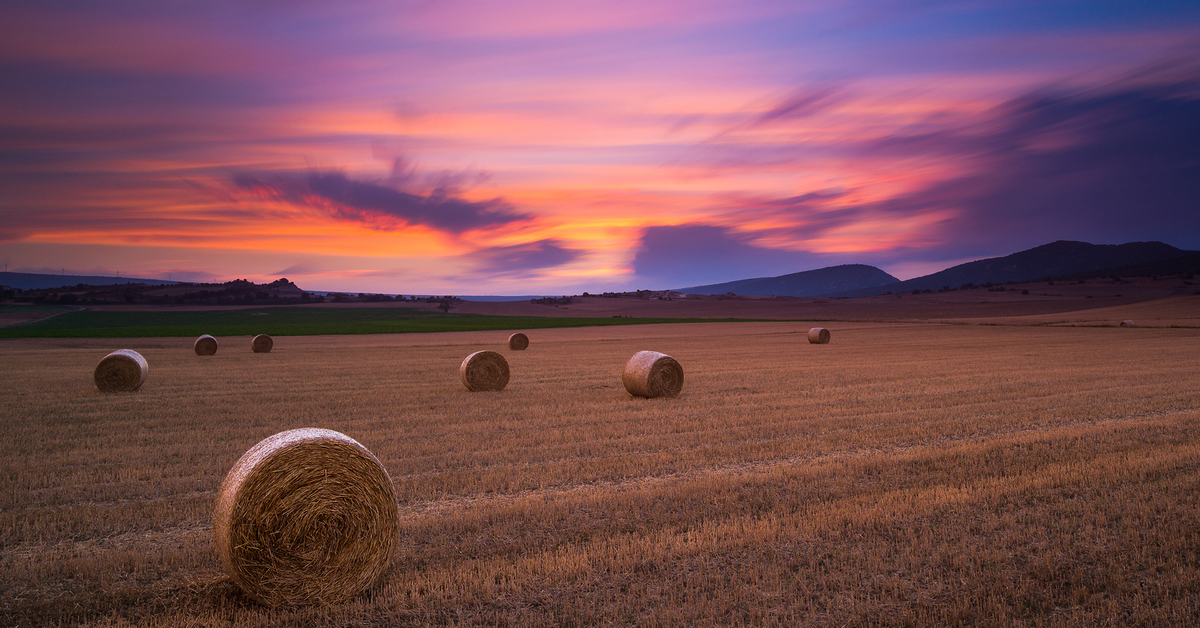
{"type": "Point", "coordinates": [545, 147]}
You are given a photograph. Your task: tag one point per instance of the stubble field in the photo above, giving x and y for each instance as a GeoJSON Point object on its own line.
{"type": "Point", "coordinates": [905, 474]}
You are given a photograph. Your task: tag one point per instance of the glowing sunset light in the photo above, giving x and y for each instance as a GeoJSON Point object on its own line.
{"type": "Point", "coordinates": [529, 146]}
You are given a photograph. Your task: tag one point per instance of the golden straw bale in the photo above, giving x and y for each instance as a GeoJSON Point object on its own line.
{"type": "Point", "coordinates": [206, 345]}
{"type": "Point", "coordinates": [307, 516]}
{"type": "Point", "coordinates": [1128, 324]}
{"type": "Point", "coordinates": [518, 342]}
{"type": "Point", "coordinates": [818, 336]}
{"type": "Point", "coordinates": [652, 374]}
{"type": "Point", "coordinates": [484, 370]}
{"type": "Point", "coordinates": [123, 370]}
{"type": "Point", "coordinates": [262, 343]}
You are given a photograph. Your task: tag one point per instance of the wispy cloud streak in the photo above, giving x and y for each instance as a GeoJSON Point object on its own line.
{"type": "Point", "coordinates": [625, 143]}
{"type": "Point", "coordinates": [379, 206]}
{"type": "Point", "coordinates": [522, 259]}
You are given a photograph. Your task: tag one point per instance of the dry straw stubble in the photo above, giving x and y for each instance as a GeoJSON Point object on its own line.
{"type": "Point", "coordinates": [205, 345]}
{"type": "Point", "coordinates": [307, 516]}
{"type": "Point", "coordinates": [518, 342]}
{"type": "Point", "coordinates": [262, 343]}
{"type": "Point", "coordinates": [818, 336]}
{"type": "Point", "coordinates": [484, 371]}
{"type": "Point", "coordinates": [652, 374]}
{"type": "Point", "coordinates": [123, 370]}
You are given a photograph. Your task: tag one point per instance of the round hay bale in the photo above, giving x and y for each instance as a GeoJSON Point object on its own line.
{"type": "Point", "coordinates": [518, 342]}
{"type": "Point", "coordinates": [205, 345]}
{"type": "Point", "coordinates": [652, 374]}
{"type": "Point", "coordinates": [307, 516]}
{"type": "Point", "coordinates": [1128, 324]}
{"type": "Point", "coordinates": [818, 336]}
{"type": "Point", "coordinates": [123, 370]}
{"type": "Point", "coordinates": [484, 370]}
{"type": "Point", "coordinates": [262, 343]}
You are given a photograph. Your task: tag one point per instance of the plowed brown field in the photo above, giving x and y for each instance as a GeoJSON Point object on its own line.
{"type": "Point", "coordinates": [904, 474]}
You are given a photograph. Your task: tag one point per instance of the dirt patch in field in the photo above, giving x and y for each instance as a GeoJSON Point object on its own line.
{"type": "Point", "coordinates": [20, 314]}
{"type": "Point", "coordinates": [1097, 302]}
{"type": "Point", "coordinates": [953, 474]}
{"type": "Point", "coordinates": [1169, 312]}
{"type": "Point", "coordinates": [960, 304]}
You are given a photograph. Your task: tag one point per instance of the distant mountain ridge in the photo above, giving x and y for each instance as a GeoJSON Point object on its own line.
{"type": "Point", "coordinates": [1061, 259]}
{"type": "Point", "coordinates": [809, 283]}
{"type": "Point", "coordinates": [1057, 259]}
{"type": "Point", "coordinates": [39, 281]}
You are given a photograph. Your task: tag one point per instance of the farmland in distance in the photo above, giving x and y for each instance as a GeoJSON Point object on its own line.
{"type": "Point", "coordinates": [905, 474]}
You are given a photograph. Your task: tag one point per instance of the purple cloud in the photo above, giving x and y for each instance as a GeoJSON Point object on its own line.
{"type": "Point", "coordinates": [1106, 166]}
{"type": "Point", "coordinates": [802, 104]}
{"type": "Point", "coordinates": [809, 216]}
{"type": "Point", "coordinates": [378, 205]}
{"type": "Point", "coordinates": [684, 255]}
{"type": "Point", "coordinates": [1112, 164]}
{"type": "Point", "coordinates": [521, 258]}
{"type": "Point", "coordinates": [297, 269]}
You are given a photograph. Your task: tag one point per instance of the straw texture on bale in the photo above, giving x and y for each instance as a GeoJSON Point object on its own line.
{"type": "Point", "coordinates": [262, 343]}
{"type": "Point", "coordinates": [307, 516]}
{"type": "Point", "coordinates": [818, 336]}
{"type": "Point", "coordinates": [206, 345]}
{"type": "Point", "coordinates": [652, 374]}
{"type": "Point", "coordinates": [1128, 324]}
{"type": "Point", "coordinates": [518, 342]}
{"type": "Point", "coordinates": [484, 370]}
{"type": "Point", "coordinates": [123, 370]}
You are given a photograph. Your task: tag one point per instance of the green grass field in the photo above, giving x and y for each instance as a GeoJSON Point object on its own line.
{"type": "Point", "coordinates": [33, 307]}
{"type": "Point", "coordinates": [291, 321]}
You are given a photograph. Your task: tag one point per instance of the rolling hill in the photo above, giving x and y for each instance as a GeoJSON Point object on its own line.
{"type": "Point", "coordinates": [39, 281]}
{"type": "Point", "coordinates": [1057, 259]}
{"type": "Point", "coordinates": [809, 283]}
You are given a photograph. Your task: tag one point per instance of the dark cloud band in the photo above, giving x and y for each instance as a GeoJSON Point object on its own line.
{"type": "Point", "coordinates": [380, 206]}
{"type": "Point", "coordinates": [520, 259]}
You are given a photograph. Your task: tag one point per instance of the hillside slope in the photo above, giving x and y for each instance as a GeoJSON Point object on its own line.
{"type": "Point", "coordinates": [809, 283]}
{"type": "Point", "coordinates": [39, 281]}
{"type": "Point", "coordinates": [1056, 259]}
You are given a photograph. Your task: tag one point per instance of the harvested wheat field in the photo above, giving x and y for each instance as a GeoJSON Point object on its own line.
{"type": "Point", "coordinates": [910, 474]}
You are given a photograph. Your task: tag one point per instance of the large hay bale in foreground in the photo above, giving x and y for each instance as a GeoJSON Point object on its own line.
{"type": "Point", "coordinates": [307, 516]}
{"type": "Point", "coordinates": [484, 370]}
{"type": "Point", "coordinates": [518, 342]}
{"type": "Point", "coordinates": [262, 343]}
{"type": "Point", "coordinates": [1128, 324]}
{"type": "Point", "coordinates": [652, 374]}
{"type": "Point", "coordinates": [205, 345]}
{"type": "Point", "coordinates": [123, 370]}
{"type": "Point", "coordinates": [818, 336]}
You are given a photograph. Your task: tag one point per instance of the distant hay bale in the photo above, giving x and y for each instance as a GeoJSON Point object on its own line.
{"type": "Point", "coordinates": [123, 370]}
{"type": "Point", "coordinates": [652, 374]}
{"type": "Point", "coordinates": [818, 336]}
{"type": "Point", "coordinates": [307, 516]}
{"type": "Point", "coordinates": [262, 343]}
{"type": "Point", "coordinates": [1128, 324]}
{"type": "Point", "coordinates": [206, 345]}
{"type": "Point", "coordinates": [484, 370]}
{"type": "Point", "coordinates": [518, 342]}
